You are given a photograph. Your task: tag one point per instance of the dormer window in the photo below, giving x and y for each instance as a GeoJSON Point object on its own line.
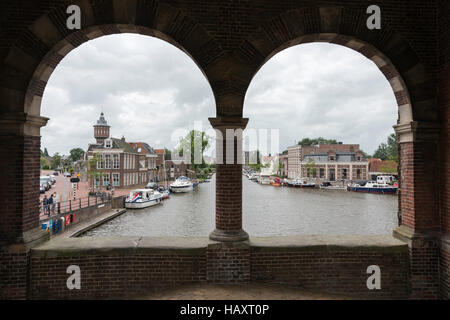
{"type": "Point", "coordinates": [108, 143]}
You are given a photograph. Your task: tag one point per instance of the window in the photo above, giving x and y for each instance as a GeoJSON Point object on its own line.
{"type": "Point", "coordinates": [115, 178]}
{"type": "Point", "coordinates": [358, 174]}
{"type": "Point", "coordinates": [344, 173]}
{"type": "Point", "coordinates": [322, 172]}
{"type": "Point", "coordinates": [331, 158]}
{"type": "Point", "coordinates": [332, 175]}
{"type": "Point", "coordinates": [108, 143]}
{"type": "Point", "coordinates": [106, 180]}
{"type": "Point", "coordinates": [99, 164]}
{"type": "Point", "coordinates": [97, 181]}
{"type": "Point", "coordinates": [107, 161]}
{"type": "Point", "coordinates": [116, 162]}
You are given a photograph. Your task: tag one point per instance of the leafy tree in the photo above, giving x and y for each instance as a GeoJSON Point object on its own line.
{"type": "Point", "coordinates": [76, 154]}
{"type": "Point", "coordinates": [388, 150]}
{"type": "Point", "coordinates": [46, 152]}
{"type": "Point", "coordinates": [92, 171]}
{"type": "Point", "coordinates": [311, 168]}
{"type": "Point", "coordinates": [56, 160]}
{"type": "Point", "coordinates": [45, 164]}
{"type": "Point", "coordinates": [167, 151]}
{"type": "Point", "coordinates": [315, 141]}
{"type": "Point", "coordinates": [192, 139]}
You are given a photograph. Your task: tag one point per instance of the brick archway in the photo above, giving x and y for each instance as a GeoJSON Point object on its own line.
{"type": "Point", "coordinates": [418, 114]}
{"type": "Point", "coordinates": [229, 43]}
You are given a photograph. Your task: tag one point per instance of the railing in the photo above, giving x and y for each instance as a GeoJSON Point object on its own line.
{"type": "Point", "coordinates": [73, 204]}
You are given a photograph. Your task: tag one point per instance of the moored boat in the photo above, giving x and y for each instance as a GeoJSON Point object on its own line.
{"type": "Point", "coordinates": [373, 187]}
{"type": "Point", "coordinates": [143, 198]}
{"type": "Point", "coordinates": [181, 185]}
{"type": "Point", "coordinates": [328, 186]}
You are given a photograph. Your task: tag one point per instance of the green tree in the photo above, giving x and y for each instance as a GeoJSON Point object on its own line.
{"type": "Point", "coordinates": [192, 139]}
{"type": "Point", "coordinates": [56, 160]}
{"type": "Point", "coordinates": [315, 141]}
{"type": "Point", "coordinates": [388, 150]}
{"type": "Point", "coordinates": [46, 152]}
{"type": "Point", "coordinates": [76, 154]}
{"type": "Point", "coordinates": [311, 168]}
{"type": "Point", "coordinates": [92, 170]}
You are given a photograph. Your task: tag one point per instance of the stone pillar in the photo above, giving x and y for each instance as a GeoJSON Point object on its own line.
{"type": "Point", "coordinates": [419, 204]}
{"type": "Point", "coordinates": [19, 212]}
{"type": "Point", "coordinates": [228, 179]}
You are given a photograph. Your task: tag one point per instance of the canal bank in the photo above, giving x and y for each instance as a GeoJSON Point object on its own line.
{"type": "Point", "coordinates": [267, 211]}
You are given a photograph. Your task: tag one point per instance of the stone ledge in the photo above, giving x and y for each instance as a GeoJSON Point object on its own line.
{"type": "Point", "coordinates": [198, 245]}
{"type": "Point", "coordinates": [328, 243]}
{"type": "Point", "coordinates": [121, 245]}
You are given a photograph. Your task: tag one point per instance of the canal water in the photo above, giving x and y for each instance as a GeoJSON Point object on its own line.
{"type": "Point", "coordinates": [267, 211]}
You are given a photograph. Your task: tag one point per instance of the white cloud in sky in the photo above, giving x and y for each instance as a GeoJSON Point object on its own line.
{"type": "Point", "coordinates": [148, 89]}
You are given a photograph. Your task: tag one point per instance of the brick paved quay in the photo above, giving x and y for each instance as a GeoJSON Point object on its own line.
{"type": "Point", "coordinates": [63, 188]}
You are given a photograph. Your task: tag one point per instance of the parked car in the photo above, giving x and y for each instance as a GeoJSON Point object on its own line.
{"type": "Point", "coordinates": [42, 189]}
{"type": "Point", "coordinates": [52, 179]}
{"type": "Point", "coordinates": [55, 173]}
{"type": "Point", "coordinates": [45, 181]}
{"type": "Point", "coordinates": [67, 174]}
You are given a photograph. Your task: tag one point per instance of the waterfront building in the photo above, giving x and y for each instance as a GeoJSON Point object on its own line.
{"type": "Point", "coordinates": [284, 165]}
{"type": "Point", "coordinates": [379, 167]}
{"type": "Point", "coordinates": [333, 162]}
{"type": "Point", "coordinates": [175, 169]}
{"type": "Point", "coordinates": [147, 161]}
{"type": "Point", "coordinates": [119, 161]}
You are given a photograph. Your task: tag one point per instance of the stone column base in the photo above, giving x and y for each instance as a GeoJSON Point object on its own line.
{"type": "Point", "coordinates": [228, 262]}
{"type": "Point", "coordinates": [228, 235]}
{"type": "Point", "coordinates": [423, 261]}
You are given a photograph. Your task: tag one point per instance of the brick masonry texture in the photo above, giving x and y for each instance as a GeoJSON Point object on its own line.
{"type": "Point", "coordinates": [230, 41]}
{"type": "Point", "coordinates": [126, 272]}
{"type": "Point", "coordinates": [339, 271]}
{"type": "Point", "coordinates": [117, 275]}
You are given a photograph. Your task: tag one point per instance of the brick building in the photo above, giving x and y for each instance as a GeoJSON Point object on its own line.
{"type": "Point", "coordinates": [147, 161]}
{"type": "Point", "coordinates": [120, 164]}
{"type": "Point", "coordinates": [334, 162]}
{"type": "Point", "coordinates": [230, 42]}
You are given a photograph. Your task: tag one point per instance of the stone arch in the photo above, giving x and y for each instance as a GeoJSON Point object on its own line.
{"type": "Point", "coordinates": [42, 45]}
{"type": "Point", "coordinates": [347, 27]}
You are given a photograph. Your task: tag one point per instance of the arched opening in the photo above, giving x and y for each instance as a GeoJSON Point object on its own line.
{"type": "Point", "coordinates": [125, 100]}
{"type": "Point", "coordinates": [310, 91]}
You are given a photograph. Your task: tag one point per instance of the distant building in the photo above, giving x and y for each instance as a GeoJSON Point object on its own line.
{"type": "Point", "coordinates": [284, 165]}
{"type": "Point", "coordinates": [119, 165]}
{"type": "Point", "coordinates": [382, 167]}
{"type": "Point", "coordinates": [147, 161]}
{"type": "Point", "coordinates": [175, 169]}
{"type": "Point", "coordinates": [331, 162]}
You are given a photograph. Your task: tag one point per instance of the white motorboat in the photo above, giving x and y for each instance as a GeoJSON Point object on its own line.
{"type": "Point", "coordinates": [143, 198]}
{"type": "Point", "coordinates": [182, 184]}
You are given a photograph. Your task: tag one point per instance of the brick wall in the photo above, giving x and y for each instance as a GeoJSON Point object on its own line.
{"type": "Point", "coordinates": [228, 263]}
{"type": "Point", "coordinates": [114, 275]}
{"type": "Point", "coordinates": [444, 101]}
{"type": "Point", "coordinates": [337, 271]}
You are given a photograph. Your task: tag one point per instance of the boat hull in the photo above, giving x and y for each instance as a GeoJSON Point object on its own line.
{"type": "Point", "coordinates": [373, 190]}
{"type": "Point", "coordinates": [181, 189]}
{"type": "Point", "coordinates": [143, 204]}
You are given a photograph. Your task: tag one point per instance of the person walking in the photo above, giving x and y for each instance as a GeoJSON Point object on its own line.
{"type": "Point", "coordinates": [50, 205]}
{"type": "Point", "coordinates": [56, 202]}
{"type": "Point", "coordinates": [45, 204]}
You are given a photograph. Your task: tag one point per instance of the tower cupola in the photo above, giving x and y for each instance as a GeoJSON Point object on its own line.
{"type": "Point", "coordinates": [101, 129]}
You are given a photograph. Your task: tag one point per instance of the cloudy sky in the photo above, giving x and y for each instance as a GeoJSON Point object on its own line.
{"type": "Point", "coordinates": [151, 91]}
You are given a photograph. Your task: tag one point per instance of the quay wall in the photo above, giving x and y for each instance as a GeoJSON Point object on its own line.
{"type": "Point", "coordinates": [131, 266]}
